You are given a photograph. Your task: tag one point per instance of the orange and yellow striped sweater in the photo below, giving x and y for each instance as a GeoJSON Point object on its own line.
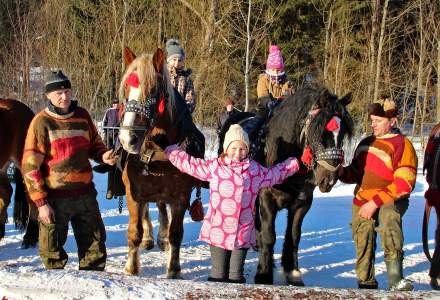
{"type": "Point", "coordinates": [384, 169]}
{"type": "Point", "coordinates": [56, 155]}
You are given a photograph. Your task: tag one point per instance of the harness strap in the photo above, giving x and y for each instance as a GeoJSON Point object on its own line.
{"type": "Point", "coordinates": [426, 216]}
{"type": "Point", "coordinates": [328, 166]}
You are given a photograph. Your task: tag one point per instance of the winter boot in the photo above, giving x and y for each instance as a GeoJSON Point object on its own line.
{"type": "Point", "coordinates": [396, 282]}
{"type": "Point", "coordinates": [370, 285]}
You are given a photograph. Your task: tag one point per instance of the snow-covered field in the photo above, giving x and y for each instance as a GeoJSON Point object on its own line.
{"type": "Point", "coordinates": [326, 255]}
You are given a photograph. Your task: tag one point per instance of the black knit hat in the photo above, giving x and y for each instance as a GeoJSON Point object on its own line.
{"type": "Point", "coordinates": [56, 80]}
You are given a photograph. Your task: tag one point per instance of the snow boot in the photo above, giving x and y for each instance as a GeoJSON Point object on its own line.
{"type": "Point", "coordinates": [396, 282]}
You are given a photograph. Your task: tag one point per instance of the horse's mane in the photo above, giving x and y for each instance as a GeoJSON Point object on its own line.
{"type": "Point", "coordinates": [143, 66]}
{"type": "Point", "coordinates": [283, 138]}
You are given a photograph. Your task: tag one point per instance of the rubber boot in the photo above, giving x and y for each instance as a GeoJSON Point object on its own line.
{"type": "Point", "coordinates": [396, 282]}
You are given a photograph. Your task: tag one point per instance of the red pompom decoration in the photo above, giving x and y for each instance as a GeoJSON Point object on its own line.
{"type": "Point", "coordinates": [307, 156]}
{"type": "Point", "coordinates": [332, 125]}
{"type": "Point", "coordinates": [133, 80]}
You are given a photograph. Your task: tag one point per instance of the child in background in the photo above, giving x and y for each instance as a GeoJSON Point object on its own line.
{"type": "Point", "coordinates": [234, 180]}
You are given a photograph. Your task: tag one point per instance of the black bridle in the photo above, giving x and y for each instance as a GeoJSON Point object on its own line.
{"type": "Point", "coordinates": [321, 154]}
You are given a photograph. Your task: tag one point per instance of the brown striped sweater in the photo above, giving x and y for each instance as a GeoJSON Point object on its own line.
{"type": "Point", "coordinates": [384, 169]}
{"type": "Point", "coordinates": [56, 155]}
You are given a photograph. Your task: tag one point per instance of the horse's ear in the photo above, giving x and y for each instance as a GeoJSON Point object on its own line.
{"type": "Point", "coordinates": [158, 60]}
{"type": "Point", "coordinates": [324, 95]}
{"type": "Point", "coordinates": [129, 56]}
{"type": "Point", "coordinates": [346, 99]}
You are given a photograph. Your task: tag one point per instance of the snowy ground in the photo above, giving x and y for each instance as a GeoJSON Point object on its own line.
{"type": "Point", "coordinates": [326, 258]}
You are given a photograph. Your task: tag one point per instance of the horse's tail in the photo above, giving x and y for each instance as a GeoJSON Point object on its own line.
{"type": "Point", "coordinates": [21, 205]}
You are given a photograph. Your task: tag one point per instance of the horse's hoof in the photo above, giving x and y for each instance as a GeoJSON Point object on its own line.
{"type": "Point", "coordinates": [294, 278]}
{"type": "Point", "coordinates": [26, 244]}
{"type": "Point", "coordinates": [263, 278]}
{"type": "Point", "coordinates": [147, 244]}
{"type": "Point", "coordinates": [131, 271]}
{"type": "Point", "coordinates": [174, 275]}
{"type": "Point", "coordinates": [163, 245]}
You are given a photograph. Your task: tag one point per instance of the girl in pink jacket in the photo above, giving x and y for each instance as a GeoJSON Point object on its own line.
{"type": "Point", "coordinates": [234, 182]}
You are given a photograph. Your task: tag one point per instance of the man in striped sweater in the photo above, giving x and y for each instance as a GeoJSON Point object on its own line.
{"type": "Point", "coordinates": [384, 168]}
{"type": "Point", "coordinates": [58, 177]}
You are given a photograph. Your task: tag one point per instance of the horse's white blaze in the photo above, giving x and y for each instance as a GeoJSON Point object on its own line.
{"type": "Point", "coordinates": [337, 131]}
{"type": "Point", "coordinates": [134, 94]}
{"type": "Point", "coordinates": [124, 134]}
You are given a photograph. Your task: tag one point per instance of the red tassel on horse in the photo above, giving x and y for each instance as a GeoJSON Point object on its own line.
{"type": "Point", "coordinates": [161, 106]}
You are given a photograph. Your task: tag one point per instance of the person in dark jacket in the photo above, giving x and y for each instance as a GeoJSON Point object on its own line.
{"type": "Point", "coordinates": [431, 165]}
{"type": "Point", "coordinates": [110, 124]}
{"type": "Point", "coordinates": [225, 114]}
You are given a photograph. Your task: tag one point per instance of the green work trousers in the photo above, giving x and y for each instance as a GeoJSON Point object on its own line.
{"type": "Point", "coordinates": [89, 231]}
{"type": "Point", "coordinates": [388, 222]}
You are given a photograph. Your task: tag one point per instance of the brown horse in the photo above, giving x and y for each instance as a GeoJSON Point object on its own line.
{"type": "Point", "coordinates": [15, 118]}
{"type": "Point", "coordinates": [155, 116]}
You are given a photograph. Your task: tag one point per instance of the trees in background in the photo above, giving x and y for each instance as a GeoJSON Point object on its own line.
{"type": "Point", "coordinates": [371, 48]}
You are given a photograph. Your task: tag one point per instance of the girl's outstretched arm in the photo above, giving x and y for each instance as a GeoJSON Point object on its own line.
{"type": "Point", "coordinates": [279, 172]}
{"type": "Point", "coordinates": [196, 167]}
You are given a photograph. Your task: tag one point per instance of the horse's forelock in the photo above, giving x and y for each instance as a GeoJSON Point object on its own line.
{"type": "Point", "coordinates": [143, 67]}
{"type": "Point", "coordinates": [328, 108]}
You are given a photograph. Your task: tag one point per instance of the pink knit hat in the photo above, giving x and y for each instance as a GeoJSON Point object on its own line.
{"type": "Point", "coordinates": [275, 59]}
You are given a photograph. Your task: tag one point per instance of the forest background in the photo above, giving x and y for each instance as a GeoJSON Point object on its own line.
{"type": "Point", "coordinates": [369, 48]}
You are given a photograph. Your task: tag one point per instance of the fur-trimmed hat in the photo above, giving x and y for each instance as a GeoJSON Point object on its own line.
{"type": "Point", "coordinates": [384, 107]}
{"type": "Point", "coordinates": [56, 80]}
{"type": "Point", "coordinates": [174, 49]}
{"type": "Point", "coordinates": [235, 133]}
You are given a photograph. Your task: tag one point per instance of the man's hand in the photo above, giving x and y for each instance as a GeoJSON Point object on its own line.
{"type": "Point", "coordinates": [46, 214]}
{"type": "Point", "coordinates": [109, 158]}
{"type": "Point", "coordinates": [367, 210]}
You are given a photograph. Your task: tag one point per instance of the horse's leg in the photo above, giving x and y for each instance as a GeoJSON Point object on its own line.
{"type": "Point", "coordinates": [162, 234]}
{"type": "Point", "coordinates": [25, 213]}
{"type": "Point", "coordinates": [175, 236]}
{"type": "Point", "coordinates": [134, 236]}
{"type": "Point", "coordinates": [30, 238]}
{"type": "Point", "coordinates": [268, 213]}
{"type": "Point", "coordinates": [289, 259]}
{"type": "Point", "coordinates": [5, 199]}
{"type": "Point", "coordinates": [147, 238]}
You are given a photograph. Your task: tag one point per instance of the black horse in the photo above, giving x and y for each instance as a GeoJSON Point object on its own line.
{"type": "Point", "coordinates": [311, 124]}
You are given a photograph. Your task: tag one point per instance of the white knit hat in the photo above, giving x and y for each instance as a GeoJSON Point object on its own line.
{"type": "Point", "coordinates": [235, 133]}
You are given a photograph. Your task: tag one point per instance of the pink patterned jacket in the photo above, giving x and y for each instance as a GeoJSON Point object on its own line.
{"type": "Point", "coordinates": [234, 186]}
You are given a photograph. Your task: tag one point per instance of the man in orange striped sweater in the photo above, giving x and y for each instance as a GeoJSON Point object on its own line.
{"type": "Point", "coordinates": [58, 177]}
{"type": "Point", "coordinates": [384, 168]}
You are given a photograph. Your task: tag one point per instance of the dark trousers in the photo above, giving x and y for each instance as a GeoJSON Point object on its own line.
{"type": "Point", "coordinates": [227, 265]}
{"type": "Point", "coordinates": [434, 271]}
{"type": "Point", "coordinates": [88, 229]}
